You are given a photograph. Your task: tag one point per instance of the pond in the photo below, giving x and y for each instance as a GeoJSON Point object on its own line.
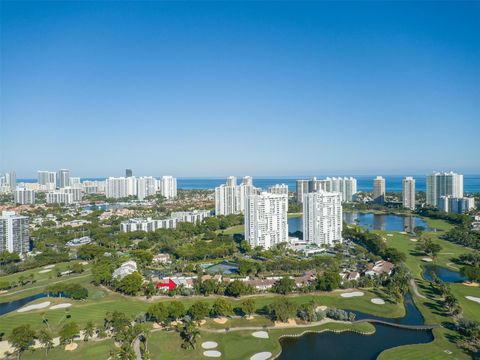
{"type": "Point", "coordinates": [387, 222]}
{"type": "Point", "coordinates": [17, 304]}
{"type": "Point", "coordinates": [445, 274]}
{"type": "Point", "coordinates": [342, 346]}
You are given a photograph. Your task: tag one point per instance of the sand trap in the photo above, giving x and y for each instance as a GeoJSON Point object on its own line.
{"type": "Point", "coordinates": [403, 232]}
{"type": "Point", "coordinates": [472, 284]}
{"type": "Point", "coordinates": [289, 323]}
{"type": "Point", "coordinates": [156, 325]}
{"type": "Point", "coordinates": [41, 305]}
{"type": "Point", "coordinates": [427, 259]}
{"type": "Point", "coordinates": [60, 306]}
{"type": "Point", "coordinates": [261, 356]}
{"type": "Point", "coordinates": [414, 240]}
{"type": "Point", "coordinates": [352, 294]}
{"type": "Point", "coordinates": [202, 322]}
{"type": "Point", "coordinates": [220, 320]}
{"type": "Point", "coordinates": [212, 353]}
{"type": "Point", "coordinates": [71, 347]}
{"type": "Point", "coordinates": [389, 234]}
{"type": "Point", "coordinates": [260, 334]}
{"type": "Point", "coordinates": [83, 262]}
{"type": "Point", "coordinates": [473, 298]}
{"type": "Point", "coordinates": [49, 266]}
{"type": "Point", "coordinates": [44, 271]}
{"type": "Point", "coordinates": [321, 308]}
{"type": "Point", "coordinates": [209, 345]}
{"type": "Point", "coordinates": [378, 301]}
{"type": "Point", "coordinates": [249, 317]}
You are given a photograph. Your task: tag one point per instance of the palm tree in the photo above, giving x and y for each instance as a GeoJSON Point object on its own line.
{"type": "Point", "coordinates": [45, 338]}
{"type": "Point", "coordinates": [88, 331]}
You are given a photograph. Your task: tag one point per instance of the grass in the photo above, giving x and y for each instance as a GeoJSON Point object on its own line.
{"type": "Point", "coordinates": [235, 345]}
{"type": "Point", "coordinates": [101, 301]}
{"type": "Point", "coordinates": [431, 309]}
{"type": "Point", "coordinates": [85, 350]}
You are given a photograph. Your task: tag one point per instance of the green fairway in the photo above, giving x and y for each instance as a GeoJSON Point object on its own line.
{"type": "Point", "coordinates": [444, 345]}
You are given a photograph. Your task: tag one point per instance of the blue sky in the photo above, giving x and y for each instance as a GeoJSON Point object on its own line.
{"type": "Point", "coordinates": [209, 89]}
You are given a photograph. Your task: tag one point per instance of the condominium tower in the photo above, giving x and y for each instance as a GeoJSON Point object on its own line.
{"type": "Point", "coordinates": [379, 190]}
{"type": "Point", "coordinates": [14, 233]}
{"type": "Point", "coordinates": [266, 222]}
{"type": "Point", "coordinates": [322, 218]}
{"type": "Point", "coordinates": [408, 193]}
{"type": "Point", "coordinates": [168, 187]}
{"type": "Point", "coordinates": [443, 184]}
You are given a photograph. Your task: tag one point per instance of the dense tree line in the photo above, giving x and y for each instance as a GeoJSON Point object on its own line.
{"type": "Point", "coordinates": [373, 243]}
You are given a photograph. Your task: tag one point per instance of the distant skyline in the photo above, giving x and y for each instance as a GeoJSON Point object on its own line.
{"type": "Point", "coordinates": [258, 88]}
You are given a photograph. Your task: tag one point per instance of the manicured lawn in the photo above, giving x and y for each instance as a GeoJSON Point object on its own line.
{"type": "Point", "coordinates": [86, 350]}
{"type": "Point", "coordinates": [234, 345]}
{"type": "Point", "coordinates": [445, 339]}
{"type": "Point", "coordinates": [95, 308]}
{"type": "Point", "coordinates": [239, 229]}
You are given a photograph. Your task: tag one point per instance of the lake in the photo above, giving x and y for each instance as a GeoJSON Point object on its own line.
{"type": "Point", "coordinates": [445, 274]}
{"type": "Point", "coordinates": [387, 222]}
{"type": "Point", "coordinates": [349, 345]}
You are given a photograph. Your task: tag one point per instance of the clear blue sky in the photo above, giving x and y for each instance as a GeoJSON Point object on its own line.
{"type": "Point", "coordinates": [209, 89]}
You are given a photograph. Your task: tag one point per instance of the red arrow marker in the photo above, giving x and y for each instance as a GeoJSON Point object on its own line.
{"type": "Point", "coordinates": [171, 285]}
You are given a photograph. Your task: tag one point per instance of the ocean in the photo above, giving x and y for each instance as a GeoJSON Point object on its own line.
{"type": "Point", "coordinates": [471, 183]}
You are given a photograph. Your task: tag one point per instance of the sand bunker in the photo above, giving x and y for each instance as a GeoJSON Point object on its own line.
{"type": "Point", "coordinates": [212, 353]}
{"type": "Point", "coordinates": [209, 345]}
{"type": "Point", "coordinates": [261, 356]}
{"type": "Point", "coordinates": [321, 308]}
{"type": "Point", "coordinates": [389, 234]}
{"type": "Point", "coordinates": [378, 301]}
{"type": "Point", "coordinates": [414, 240]}
{"type": "Point", "coordinates": [473, 298]}
{"type": "Point", "coordinates": [60, 306]}
{"type": "Point", "coordinates": [220, 320]}
{"type": "Point", "coordinates": [426, 259]}
{"type": "Point", "coordinates": [41, 305]}
{"type": "Point", "coordinates": [472, 284]}
{"type": "Point", "coordinates": [49, 266]}
{"type": "Point", "coordinates": [352, 294]}
{"type": "Point", "coordinates": [260, 334]}
{"type": "Point", "coordinates": [289, 323]}
{"type": "Point", "coordinates": [71, 347]}
{"type": "Point", "coordinates": [44, 271]}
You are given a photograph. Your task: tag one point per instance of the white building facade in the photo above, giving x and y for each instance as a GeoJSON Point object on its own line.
{"type": "Point", "coordinates": [322, 218]}
{"type": "Point", "coordinates": [24, 196]}
{"type": "Point", "coordinates": [14, 236]}
{"type": "Point", "coordinates": [408, 193]}
{"type": "Point", "coordinates": [443, 184]}
{"type": "Point", "coordinates": [266, 222]}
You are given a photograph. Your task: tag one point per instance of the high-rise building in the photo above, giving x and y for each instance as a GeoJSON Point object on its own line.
{"type": "Point", "coordinates": [120, 187]}
{"type": "Point", "coordinates": [227, 197]}
{"type": "Point", "coordinates": [278, 189]}
{"type": "Point", "coordinates": [46, 178]}
{"type": "Point", "coordinates": [145, 187]}
{"type": "Point", "coordinates": [231, 198]}
{"type": "Point", "coordinates": [408, 193]}
{"type": "Point", "coordinates": [322, 218]}
{"type": "Point", "coordinates": [456, 205]}
{"type": "Point", "coordinates": [302, 188]}
{"type": "Point", "coordinates": [75, 181]}
{"type": "Point", "coordinates": [379, 190]}
{"type": "Point", "coordinates": [347, 186]}
{"type": "Point", "coordinates": [14, 233]}
{"type": "Point", "coordinates": [168, 187]}
{"type": "Point", "coordinates": [63, 178]}
{"type": "Point", "coordinates": [77, 193]}
{"type": "Point", "coordinates": [443, 184]}
{"type": "Point", "coordinates": [24, 196]}
{"type": "Point", "coordinates": [128, 173]}
{"type": "Point", "coordinates": [266, 222]}
{"type": "Point", "coordinates": [59, 197]}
